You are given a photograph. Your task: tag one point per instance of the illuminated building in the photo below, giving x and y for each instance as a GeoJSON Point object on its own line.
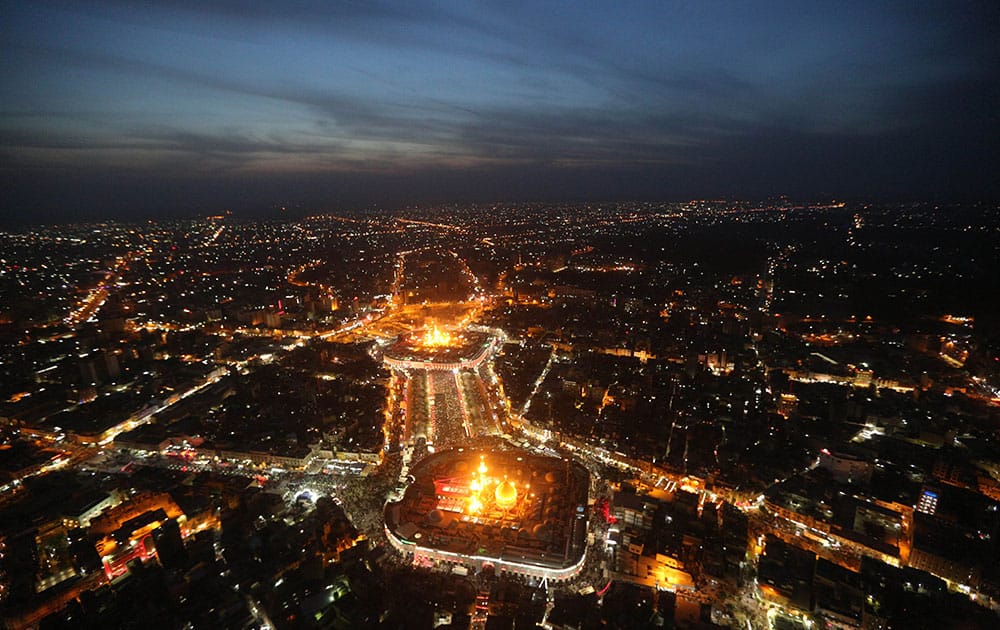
{"type": "Point", "coordinates": [928, 502]}
{"type": "Point", "coordinates": [506, 494]}
{"type": "Point", "coordinates": [438, 350]}
{"type": "Point", "coordinates": [512, 511]}
{"type": "Point", "coordinates": [436, 338]}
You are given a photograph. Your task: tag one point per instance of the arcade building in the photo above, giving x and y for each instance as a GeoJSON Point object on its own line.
{"type": "Point", "coordinates": [503, 511]}
{"type": "Point", "coordinates": [434, 348]}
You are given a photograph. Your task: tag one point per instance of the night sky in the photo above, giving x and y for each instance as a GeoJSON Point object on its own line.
{"type": "Point", "coordinates": [175, 107]}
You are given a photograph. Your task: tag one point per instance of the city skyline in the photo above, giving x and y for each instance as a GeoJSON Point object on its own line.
{"type": "Point", "coordinates": [709, 414]}
{"type": "Point", "coordinates": [438, 314]}
{"type": "Point", "coordinates": [120, 111]}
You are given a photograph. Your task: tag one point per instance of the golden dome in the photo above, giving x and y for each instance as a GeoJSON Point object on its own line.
{"type": "Point", "coordinates": [435, 337]}
{"type": "Point", "coordinates": [506, 494]}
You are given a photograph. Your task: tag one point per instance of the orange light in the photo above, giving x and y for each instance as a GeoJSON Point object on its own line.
{"type": "Point", "coordinates": [506, 494]}
{"type": "Point", "coordinates": [435, 337]}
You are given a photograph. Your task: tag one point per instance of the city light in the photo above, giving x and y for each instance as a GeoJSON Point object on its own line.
{"type": "Point", "coordinates": [436, 338]}
{"type": "Point", "coordinates": [560, 404]}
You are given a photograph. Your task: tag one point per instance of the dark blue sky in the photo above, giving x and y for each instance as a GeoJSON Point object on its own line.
{"type": "Point", "coordinates": [134, 109]}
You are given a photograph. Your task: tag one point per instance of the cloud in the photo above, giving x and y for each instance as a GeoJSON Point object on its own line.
{"type": "Point", "coordinates": [539, 99]}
